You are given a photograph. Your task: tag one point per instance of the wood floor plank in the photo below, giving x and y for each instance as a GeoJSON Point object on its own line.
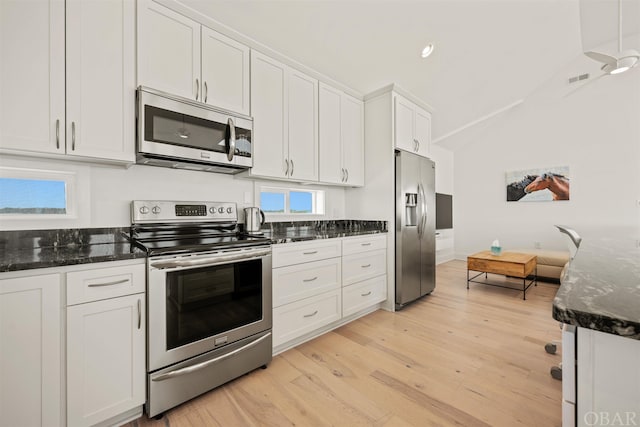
{"type": "Point", "coordinates": [457, 357]}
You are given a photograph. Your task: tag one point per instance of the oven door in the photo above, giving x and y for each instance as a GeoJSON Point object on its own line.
{"type": "Point", "coordinates": [201, 302]}
{"type": "Point", "coordinates": [176, 128]}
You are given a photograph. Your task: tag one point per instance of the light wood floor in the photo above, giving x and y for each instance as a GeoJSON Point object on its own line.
{"type": "Point", "coordinates": [454, 358]}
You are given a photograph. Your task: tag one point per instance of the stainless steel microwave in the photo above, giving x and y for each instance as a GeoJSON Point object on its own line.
{"type": "Point", "coordinates": [184, 134]}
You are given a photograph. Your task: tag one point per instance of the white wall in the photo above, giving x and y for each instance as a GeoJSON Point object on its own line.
{"type": "Point", "coordinates": [595, 131]}
{"type": "Point", "coordinates": [105, 192]}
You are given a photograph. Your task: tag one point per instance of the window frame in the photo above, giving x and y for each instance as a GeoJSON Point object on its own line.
{"type": "Point", "coordinates": [318, 201]}
{"type": "Point", "coordinates": [68, 177]}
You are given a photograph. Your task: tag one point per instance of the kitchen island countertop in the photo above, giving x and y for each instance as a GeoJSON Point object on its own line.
{"type": "Point", "coordinates": [601, 289]}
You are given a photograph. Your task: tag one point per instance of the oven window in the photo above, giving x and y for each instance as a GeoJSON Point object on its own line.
{"type": "Point", "coordinates": [208, 301]}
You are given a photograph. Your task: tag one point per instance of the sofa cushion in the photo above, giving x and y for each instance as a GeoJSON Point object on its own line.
{"type": "Point", "coordinates": [547, 257]}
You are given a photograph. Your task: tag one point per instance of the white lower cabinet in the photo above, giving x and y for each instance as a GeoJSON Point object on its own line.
{"type": "Point", "coordinates": [105, 343]}
{"type": "Point", "coordinates": [293, 320]}
{"type": "Point", "coordinates": [317, 284]}
{"type": "Point", "coordinates": [30, 350]}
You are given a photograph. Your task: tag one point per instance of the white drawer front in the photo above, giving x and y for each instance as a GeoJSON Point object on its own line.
{"type": "Point", "coordinates": [106, 282]}
{"type": "Point", "coordinates": [364, 294]}
{"type": "Point", "coordinates": [296, 282]}
{"type": "Point", "coordinates": [358, 267]}
{"type": "Point", "coordinates": [296, 319]}
{"type": "Point", "coordinates": [296, 253]}
{"type": "Point", "coordinates": [352, 245]}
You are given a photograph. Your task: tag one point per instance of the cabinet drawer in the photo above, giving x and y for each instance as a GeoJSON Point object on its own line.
{"type": "Point", "coordinates": [354, 245]}
{"type": "Point", "coordinates": [358, 267]}
{"type": "Point", "coordinates": [363, 294]}
{"type": "Point", "coordinates": [296, 253]}
{"type": "Point", "coordinates": [105, 282]}
{"type": "Point", "coordinates": [296, 319]}
{"type": "Point", "coordinates": [296, 282]}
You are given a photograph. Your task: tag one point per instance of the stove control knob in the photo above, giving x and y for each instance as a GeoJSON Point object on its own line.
{"type": "Point", "coordinates": [155, 209]}
{"type": "Point", "coordinates": [229, 210]}
{"type": "Point", "coordinates": [144, 210]}
{"type": "Point", "coordinates": [221, 210]}
{"type": "Point", "coordinates": [212, 210]}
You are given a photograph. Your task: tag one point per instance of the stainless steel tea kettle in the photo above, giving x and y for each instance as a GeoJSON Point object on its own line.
{"type": "Point", "coordinates": [253, 219]}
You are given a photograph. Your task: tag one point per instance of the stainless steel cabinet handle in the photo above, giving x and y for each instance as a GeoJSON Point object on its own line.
{"type": "Point", "coordinates": [139, 313]}
{"type": "Point", "coordinates": [291, 174]}
{"type": "Point", "coordinates": [58, 133]}
{"type": "Point", "coordinates": [115, 282]}
{"type": "Point", "coordinates": [206, 92]}
{"type": "Point", "coordinates": [73, 136]}
{"type": "Point", "coordinates": [366, 266]}
{"type": "Point", "coordinates": [199, 366]}
{"type": "Point", "coordinates": [310, 280]}
{"type": "Point", "coordinates": [342, 178]}
{"type": "Point", "coordinates": [232, 139]}
{"type": "Point", "coordinates": [309, 253]}
{"type": "Point", "coordinates": [197, 88]}
{"type": "Point", "coordinates": [418, 145]}
{"type": "Point", "coordinates": [347, 171]}
{"type": "Point", "coordinates": [365, 244]}
{"type": "Point", "coordinates": [310, 315]}
{"type": "Point", "coordinates": [366, 295]}
{"type": "Point", "coordinates": [286, 172]}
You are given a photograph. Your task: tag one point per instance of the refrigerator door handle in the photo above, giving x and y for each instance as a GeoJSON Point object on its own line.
{"type": "Point", "coordinates": [423, 213]}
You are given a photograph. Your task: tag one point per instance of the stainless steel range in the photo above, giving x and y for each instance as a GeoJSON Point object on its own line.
{"type": "Point", "coordinates": [208, 296]}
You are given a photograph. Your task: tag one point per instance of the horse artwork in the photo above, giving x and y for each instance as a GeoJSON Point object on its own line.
{"type": "Point", "coordinates": [548, 184]}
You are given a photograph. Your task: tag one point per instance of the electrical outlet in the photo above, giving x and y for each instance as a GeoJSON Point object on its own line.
{"type": "Point", "coordinates": [537, 245]}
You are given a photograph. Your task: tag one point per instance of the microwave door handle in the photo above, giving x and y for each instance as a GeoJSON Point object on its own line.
{"type": "Point", "coordinates": [232, 139]}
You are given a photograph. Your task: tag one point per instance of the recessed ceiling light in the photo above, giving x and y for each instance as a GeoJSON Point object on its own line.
{"type": "Point", "coordinates": [427, 50]}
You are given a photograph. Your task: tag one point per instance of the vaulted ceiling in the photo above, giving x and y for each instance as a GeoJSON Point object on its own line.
{"type": "Point", "coordinates": [489, 54]}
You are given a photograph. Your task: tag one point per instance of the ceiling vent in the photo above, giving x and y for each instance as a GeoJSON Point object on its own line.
{"type": "Point", "coordinates": [574, 79]}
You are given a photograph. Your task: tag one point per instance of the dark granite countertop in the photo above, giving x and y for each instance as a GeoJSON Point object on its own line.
{"type": "Point", "coordinates": [31, 249]}
{"type": "Point", "coordinates": [299, 231]}
{"type": "Point", "coordinates": [601, 289]}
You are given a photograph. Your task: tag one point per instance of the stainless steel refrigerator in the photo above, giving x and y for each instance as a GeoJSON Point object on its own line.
{"type": "Point", "coordinates": [415, 227]}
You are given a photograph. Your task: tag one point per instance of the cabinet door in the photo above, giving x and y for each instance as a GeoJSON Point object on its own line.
{"type": "Point", "coordinates": [404, 124]}
{"type": "Point", "coordinates": [268, 108]}
{"type": "Point", "coordinates": [353, 140]}
{"type": "Point", "coordinates": [30, 316]}
{"type": "Point", "coordinates": [330, 135]}
{"type": "Point", "coordinates": [101, 79]}
{"type": "Point", "coordinates": [32, 103]}
{"type": "Point", "coordinates": [423, 131]}
{"type": "Point", "coordinates": [105, 359]}
{"type": "Point", "coordinates": [168, 50]}
{"type": "Point", "coordinates": [303, 126]}
{"type": "Point", "coordinates": [225, 72]}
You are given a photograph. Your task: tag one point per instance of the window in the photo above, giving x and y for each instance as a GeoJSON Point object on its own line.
{"type": "Point", "coordinates": [29, 193]}
{"type": "Point", "coordinates": [291, 202]}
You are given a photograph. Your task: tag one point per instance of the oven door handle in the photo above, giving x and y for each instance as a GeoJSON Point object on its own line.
{"type": "Point", "coordinates": [202, 365]}
{"type": "Point", "coordinates": [210, 260]}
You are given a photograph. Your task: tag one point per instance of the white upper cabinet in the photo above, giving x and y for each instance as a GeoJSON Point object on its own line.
{"type": "Point", "coordinates": [412, 127]}
{"type": "Point", "coordinates": [32, 97]}
{"type": "Point", "coordinates": [284, 106]}
{"type": "Point", "coordinates": [168, 50]}
{"type": "Point", "coordinates": [101, 79]}
{"type": "Point", "coordinates": [99, 96]}
{"type": "Point", "coordinates": [341, 137]}
{"type": "Point", "coordinates": [182, 57]}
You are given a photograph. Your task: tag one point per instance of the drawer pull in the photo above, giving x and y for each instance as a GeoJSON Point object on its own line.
{"type": "Point", "coordinates": [365, 244]}
{"type": "Point", "coordinates": [366, 295]}
{"type": "Point", "coordinates": [309, 253]}
{"type": "Point", "coordinates": [311, 315]}
{"type": "Point", "coordinates": [310, 280]}
{"type": "Point", "coordinates": [366, 266]}
{"type": "Point", "coordinates": [115, 282]}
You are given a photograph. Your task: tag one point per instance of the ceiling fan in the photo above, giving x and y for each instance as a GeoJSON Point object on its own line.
{"type": "Point", "coordinates": [623, 61]}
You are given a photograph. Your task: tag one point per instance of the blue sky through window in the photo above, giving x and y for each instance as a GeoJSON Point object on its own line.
{"type": "Point", "coordinates": [272, 202]}
{"type": "Point", "coordinates": [27, 194]}
{"type": "Point", "coordinates": [301, 202]}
